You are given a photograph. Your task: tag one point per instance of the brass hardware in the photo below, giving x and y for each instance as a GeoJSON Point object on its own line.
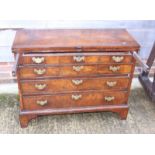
{"type": "Point", "coordinates": [40, 86]}
{"type": "Point", "coordinates": [76, 97]}
{"type": "Point", "coordinates": [78, 58]}
{"type": "Point", "coordinates": [111, 83]}
{"type": "Point", "coordinates": [39, 71]}
{"type": "Point", "coordinates": [114, 68]}
{"type": "Point", "coordinates": [77, 68]}
{"type": "Point", "coordinates": [109, 98]}
{"type": "Point", "coordinates": [38, 60]}
{"type": "Point", "coordinates": [77, 82]}
{"type": "Point", "coordinates": [42, 103]}
{"type": "Point", "coordinates": [117, 58]}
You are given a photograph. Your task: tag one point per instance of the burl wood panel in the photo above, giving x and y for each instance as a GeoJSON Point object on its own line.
{"type": "Point", "coordinates": [70, 58]}
{"type": "Point", "coordinates": [62, 40]}
{"type": "Point", "coordinates": [28, 72]}
{"type": "Point", "coordinates": [74, 84]}
{"type": "Point", "coordinates": [89, 98]}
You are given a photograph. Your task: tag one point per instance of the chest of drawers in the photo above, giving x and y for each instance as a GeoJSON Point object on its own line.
{"type": "Point", "coordinates": [71, 71]}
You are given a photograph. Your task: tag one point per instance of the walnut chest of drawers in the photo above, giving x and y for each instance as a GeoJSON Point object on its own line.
{"type": "Point", "coordinates": [73, 70]}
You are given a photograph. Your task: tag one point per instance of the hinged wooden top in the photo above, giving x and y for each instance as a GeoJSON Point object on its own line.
{"type": "Point", "coordinates": [71, 40]}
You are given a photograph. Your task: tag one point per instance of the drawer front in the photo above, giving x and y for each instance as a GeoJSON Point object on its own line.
{"type": "Point", "coordinates": [73, 84]}
{"type": "Point", "coordinates": [74, 100]}
{"type": "Point", "coordinates": [77, 70]}
{"type": "Point", "coordinates": [75, 58]}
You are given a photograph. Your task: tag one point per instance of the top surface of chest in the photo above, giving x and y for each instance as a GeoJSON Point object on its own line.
{"type": "Point", "coordinates": [72, 40]}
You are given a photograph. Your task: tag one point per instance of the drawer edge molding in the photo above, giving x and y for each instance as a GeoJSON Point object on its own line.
{"type": "Point", "coordinates": [110, 108]}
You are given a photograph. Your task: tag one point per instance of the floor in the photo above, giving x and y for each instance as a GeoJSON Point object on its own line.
{"type": "Point", "coordinates": [141, 117]}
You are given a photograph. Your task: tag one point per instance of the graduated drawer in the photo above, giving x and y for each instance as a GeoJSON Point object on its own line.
{"type": "Point", "coordinates": [80, 99]}
{"type": "Point", "coordinates": [74, 84]}
{"type": "Point", "coordinates": [30, 72]}
{"type": "Point", "coordinates": [71, 58]}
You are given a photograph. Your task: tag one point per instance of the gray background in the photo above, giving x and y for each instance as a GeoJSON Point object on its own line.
{"type": "Point", "coordinates": [142, 30]}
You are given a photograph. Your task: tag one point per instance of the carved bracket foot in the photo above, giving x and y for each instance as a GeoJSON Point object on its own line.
{"type": "Point", "coordinates": [24, 119]}
{"type": "Point", "coordinates": [123, 114]}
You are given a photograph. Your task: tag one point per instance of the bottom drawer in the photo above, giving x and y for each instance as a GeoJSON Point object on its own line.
{"type": "Point", "coordinates": [79, 99]}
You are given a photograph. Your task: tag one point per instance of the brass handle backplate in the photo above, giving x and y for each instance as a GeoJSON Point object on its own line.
{"type": "Point", "coordinates": [39, 71]}
{"type": "Point", "coordinates": [114, 68]}
{"type": "Point", "coordinates": [40, 86]}
{"type": "Point", "coordinates": [77, 68]}
{"type": "Point", "coordinates": [78, 58]}
{"type": "Point", "coordinates": [77, 82]}
{"type": "Point", "coordinates": [76, 97]}
{"type": "Point", "coordinates": [38, 60]}
{"type": "Point", "coordinates": [117, 58]}
{"type": "Point", "coordinates": [109, 98]}
{"type": "Point", "coordinates": [42, 103]}
{"type": "Point", "coordinates": [111, 83]}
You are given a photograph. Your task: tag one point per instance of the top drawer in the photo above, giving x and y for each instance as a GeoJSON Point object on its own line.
{"type": "Point", "coordinates": [74, 58]}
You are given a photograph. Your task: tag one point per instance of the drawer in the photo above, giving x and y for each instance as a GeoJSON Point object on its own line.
{"type": "Point", "coordinates": [80, 99]}
{"type": "Point", "coordinates": [72, 58]}
{"type": "Point", "coordinates": [30, 72]}
{"type": "Point", "coordinates": [74, 84]}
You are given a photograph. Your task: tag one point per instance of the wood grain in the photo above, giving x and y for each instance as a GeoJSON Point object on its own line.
{"type": "Point", "coordinates": [27, 72]}
{"type": "Point", "coordinates": [68, 58]}
{"type": "Point", "coordinates": [63, 40]}
{"type": "Point", "coordinates": [56, 61]}
{"type": "Point", "coordinates": [89, 98]}
{"type": "Point", "coordinates": [67, 84]}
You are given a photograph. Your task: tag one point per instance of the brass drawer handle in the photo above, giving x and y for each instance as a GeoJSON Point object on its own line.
{"type": "Point", "coordinates": [109, 98]}
{"type": "Point", "coordinates": [77, 82]}
{"type": "Point", "coordinates": [39, 71]}
{"type": "Point", "coordinates": [111, 83]}
{"type": "Point", "coordinates": [40, 86]}
{"type": "Point", "coordinates": [42, 103]}
{"type": "Point", "coordinates": [77, 68]}
{"type": "Point", "coordinates": [114, 68]}
{"type": "Point", "coordinates": [78, 58]}
{"type": "Point", "coordinates": [38, 60]}
{"type": "Point", "coordinates": [76, 97]}
{"type": "Point", "coordinates": [117, 58]}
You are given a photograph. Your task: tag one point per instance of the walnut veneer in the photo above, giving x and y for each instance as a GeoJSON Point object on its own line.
{"type": "Point", "coordinates": [69, 71]}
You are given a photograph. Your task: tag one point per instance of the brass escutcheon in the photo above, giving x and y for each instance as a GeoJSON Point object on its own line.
{"type": "Point", "coordinates": [76, 97]}
{"type": "Point", "coordinates": [78, 58]}
{"type": "Point", "coordinates": [42, 103]}
{"type": "Point", "coordinates": [77, 68]}
{"type": "Point", "coordinates": [39, 71]}
{"type": "Point", "coordinates": [114, 68]}
{"type": "Point", "coordinates": [40, 86]}
{"type": "Point", "coordinates": [38, 60]}
{"type": "Point", "coordinates": [77, 82]}
{"type": "Point", "coordinates": [111, 83]}
{"type": "Point", "coordinates": [117, 58]}
{"type": "Point", "coordinates": [109, 98]}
